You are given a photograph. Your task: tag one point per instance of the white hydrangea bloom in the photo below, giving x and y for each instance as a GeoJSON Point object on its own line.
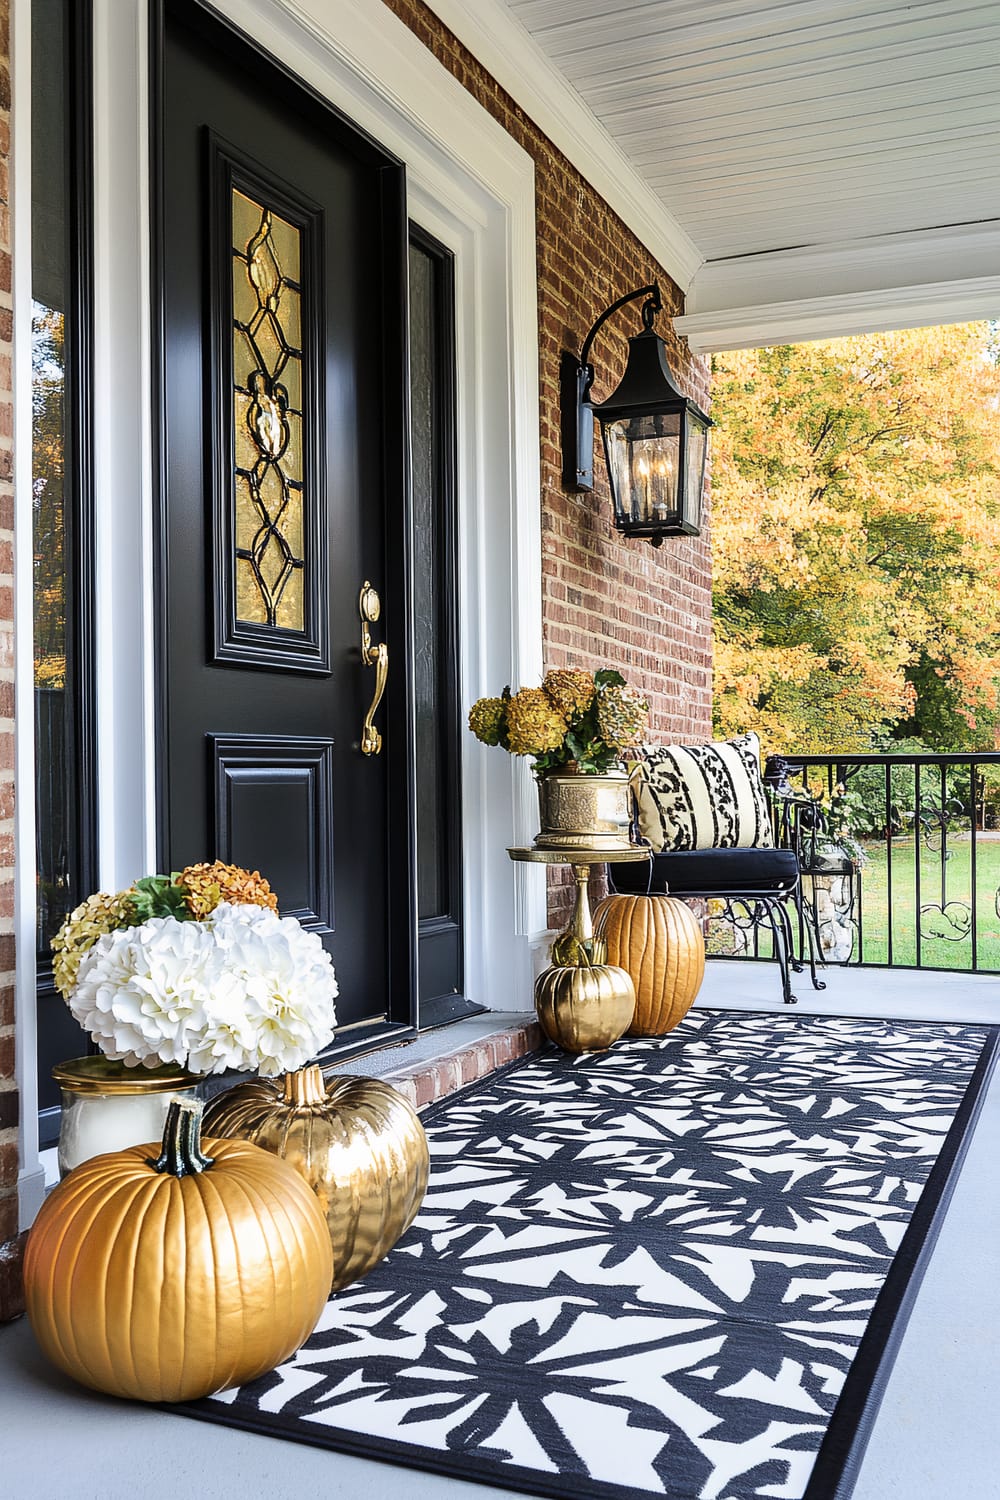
{"type": "Point", "coordinates": [287, 983]}
{"type": "Point", "coordinates": [243, 989]}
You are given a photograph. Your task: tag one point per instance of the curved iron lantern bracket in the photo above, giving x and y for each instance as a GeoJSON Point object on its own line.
{"type": "Point", "coordinates": [655, 438]}
{"type": "Point", "coordinates": [577, 376]}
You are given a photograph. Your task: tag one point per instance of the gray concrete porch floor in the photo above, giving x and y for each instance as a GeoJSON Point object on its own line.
{"type": "Point", "coordinates": [936, 1436]}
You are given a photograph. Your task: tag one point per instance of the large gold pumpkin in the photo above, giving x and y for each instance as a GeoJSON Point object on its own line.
{"type": "Point", "coordinates": [584, 1009]}
{"type": "Point", "coordinates": [166, 1279]}
{"type": "Point", "coordinates": [356, 1141]}
{"type": "Point", "coordinates": [658, 941]}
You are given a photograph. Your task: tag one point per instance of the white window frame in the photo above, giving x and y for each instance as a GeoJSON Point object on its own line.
{"type": "Point", "coordinates": [471, 186]}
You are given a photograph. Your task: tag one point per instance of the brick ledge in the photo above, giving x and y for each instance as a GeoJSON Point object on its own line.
{"type": "Point", "coordinates": [425, 1082]}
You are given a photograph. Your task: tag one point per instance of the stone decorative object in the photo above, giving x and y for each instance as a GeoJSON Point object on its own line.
{"type": "Point", "coordinates": [833, 901]}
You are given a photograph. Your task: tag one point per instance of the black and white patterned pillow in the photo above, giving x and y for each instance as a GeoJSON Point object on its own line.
{"type": "Point", "coordinates": [704, 796]}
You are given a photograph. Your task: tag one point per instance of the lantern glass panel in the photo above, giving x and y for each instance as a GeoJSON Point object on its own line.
{"type": "Point", "coordinates": [643, 460]}
{"type": "Point", "coordinates": [697, 444]}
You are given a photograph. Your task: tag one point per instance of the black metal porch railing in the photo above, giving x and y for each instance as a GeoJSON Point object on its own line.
{"type": "Point", "coordinates": [923, 835]}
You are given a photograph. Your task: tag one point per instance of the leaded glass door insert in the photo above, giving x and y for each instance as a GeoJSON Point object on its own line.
{"type": "Point", "coordinates": [269, 558]}
{"type": "Point", "coordinates": [270, 533]}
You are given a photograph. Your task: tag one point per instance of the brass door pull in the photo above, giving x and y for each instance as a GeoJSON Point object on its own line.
{"type": "Point", "coordinates": [369, 608]}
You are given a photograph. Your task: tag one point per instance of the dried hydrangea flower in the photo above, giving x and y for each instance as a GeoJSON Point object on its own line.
{"type": "Point", "coordinates": [534, 726]}
{"type": "Point", "coordinates": [206, 885]}
{"type": "Point", "coordinates": [486, 719]}
{"type": "Point", "coordinates": [98, 915]}
{"type": "Point", "coordinates": [572, 693]}
{"type": "Point", "coordinates": [622, 717]}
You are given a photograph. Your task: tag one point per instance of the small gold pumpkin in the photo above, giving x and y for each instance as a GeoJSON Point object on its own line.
{"type": "Point", "coordinates": [167, 1278]}
{"type": "Point", "coordinates": [356, 1141]}
{"type": "Point", "coordinates": [585, 1008]}
{"type": "Point", "coordinates": [658, 941]}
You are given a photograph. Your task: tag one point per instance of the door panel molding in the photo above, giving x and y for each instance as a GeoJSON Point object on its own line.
{"type": "Point", "coordinates": [267, 784]}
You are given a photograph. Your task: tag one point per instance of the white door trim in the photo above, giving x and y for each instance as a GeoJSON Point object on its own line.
{"type": "Point", "coordinates": [472, 186]}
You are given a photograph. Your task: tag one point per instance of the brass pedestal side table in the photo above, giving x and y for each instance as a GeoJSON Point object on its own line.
{"type": "Point", "coordinates": [580, 932]}
{"type": "Point", "coordinates": [583, 1003]}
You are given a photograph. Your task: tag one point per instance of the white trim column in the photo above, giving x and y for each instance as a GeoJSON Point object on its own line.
{"type": "Point", "coordinates": [123, 479]}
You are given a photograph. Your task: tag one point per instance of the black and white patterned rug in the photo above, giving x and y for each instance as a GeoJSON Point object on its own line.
{"type": "Point", "coordinates": [679, 1268]}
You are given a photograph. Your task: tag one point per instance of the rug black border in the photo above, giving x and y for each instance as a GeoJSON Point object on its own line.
{"type": "Point", "coordinates": [842, 1450]}
{"type": "Point", "coordinates": [840, 1454]}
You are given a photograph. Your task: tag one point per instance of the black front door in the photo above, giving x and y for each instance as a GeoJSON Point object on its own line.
{"type": "Point", "coordinates": [282, 264]}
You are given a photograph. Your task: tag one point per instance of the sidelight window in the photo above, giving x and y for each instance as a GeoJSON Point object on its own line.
{"type": "Point", "coordinates": [62, 543]}
{"type": "Point", "coordinates": [435, 640]}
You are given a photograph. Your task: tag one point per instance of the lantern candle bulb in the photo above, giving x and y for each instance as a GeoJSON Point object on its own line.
{"type": "Point", "coordinates": [642, 469]}
{"type": "Point", "coordinates": [663, 471]}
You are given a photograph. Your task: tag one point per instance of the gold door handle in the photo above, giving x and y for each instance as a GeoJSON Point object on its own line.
{"type": "Point", "coordinates": [369, 608]}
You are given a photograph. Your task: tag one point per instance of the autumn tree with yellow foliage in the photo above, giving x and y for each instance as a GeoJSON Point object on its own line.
{"type": "Point", "coordinates": [856, 541]}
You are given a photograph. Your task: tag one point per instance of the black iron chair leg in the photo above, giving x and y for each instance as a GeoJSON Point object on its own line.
{"type": "Point", "coordinates": [781, 949]}
{"type": "Point", "coordinates": [794, 962]}
{"type": "Point", "coordinates": [808, 924]}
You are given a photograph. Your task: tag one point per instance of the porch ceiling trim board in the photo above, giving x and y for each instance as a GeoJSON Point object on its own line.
{"type": "Point", "coordinates": [800, 322]}
{"type": "Point", "coordinates": [890, 262]}
{"type": "Point", "coordinates": [510, 53]}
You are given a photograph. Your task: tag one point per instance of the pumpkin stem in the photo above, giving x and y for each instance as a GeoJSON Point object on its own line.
{"type": "Point", "coordinates": [181, 1153]}
{"type": "Point", "coordinates": [305, 1086]}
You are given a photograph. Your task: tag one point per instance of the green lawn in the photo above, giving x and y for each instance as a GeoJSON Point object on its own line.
{"type": "Point", "coordinates": [936, 951]}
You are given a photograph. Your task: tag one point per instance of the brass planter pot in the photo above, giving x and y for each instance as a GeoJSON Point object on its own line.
{"type": "Point", "coordinates": [356, 1141]}
{"type": "Point", "coordinates": [584, 1009]}
{"type": "Point", "coordinates": [578, 811]}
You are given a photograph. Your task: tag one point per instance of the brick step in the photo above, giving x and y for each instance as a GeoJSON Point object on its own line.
{"type": "Point", "coordinates": [455, 1061]}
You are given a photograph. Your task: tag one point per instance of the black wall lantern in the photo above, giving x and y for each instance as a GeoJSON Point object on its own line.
{"type": "Point", "coordinates": [655, 439]}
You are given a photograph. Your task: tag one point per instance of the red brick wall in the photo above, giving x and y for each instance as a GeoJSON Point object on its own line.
{"type": "Point", "coordinates": [606, 600]}
{"type": "Point", "coordinates": [8, 1088]}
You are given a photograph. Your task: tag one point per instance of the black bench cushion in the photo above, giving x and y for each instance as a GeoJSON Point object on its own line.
{"type": "Point", "coordinates": [709, 872]}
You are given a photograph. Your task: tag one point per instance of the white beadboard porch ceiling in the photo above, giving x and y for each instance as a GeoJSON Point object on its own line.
{"type": "Point", "coordinates": [792, 152]}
